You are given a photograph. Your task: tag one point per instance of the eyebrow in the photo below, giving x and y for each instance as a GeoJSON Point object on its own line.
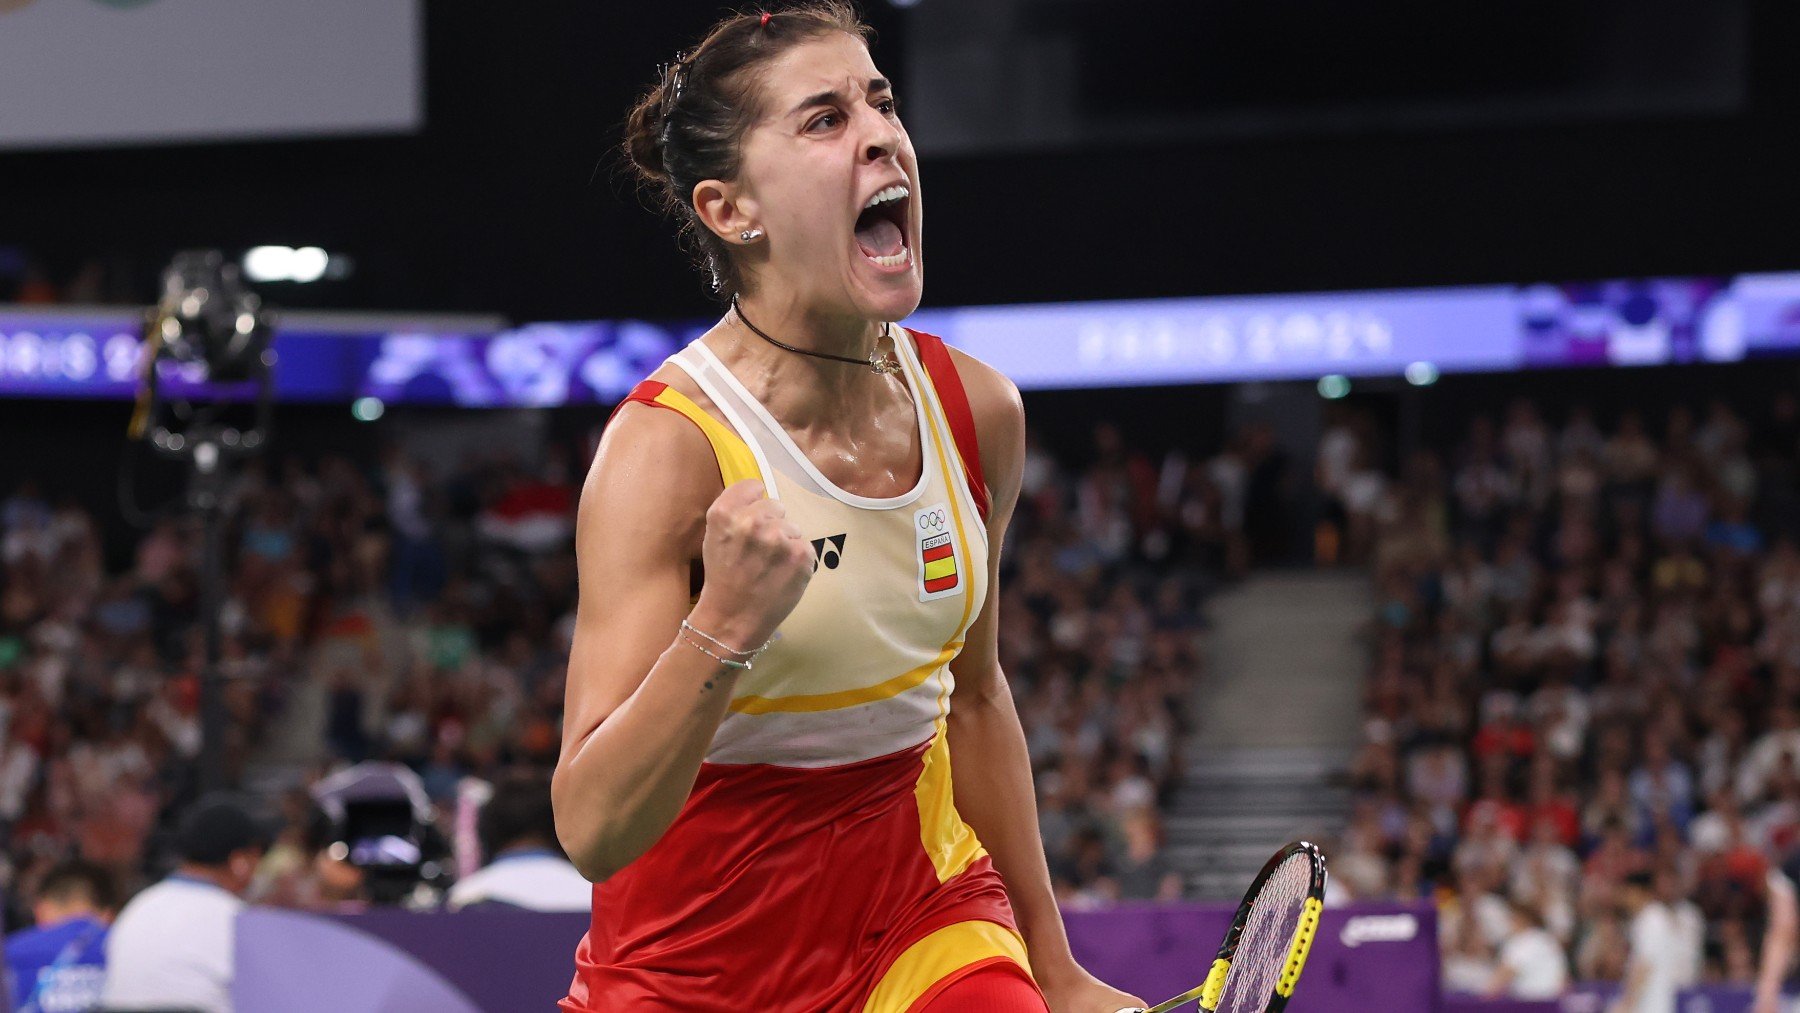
{"type": "Point", "coordinates": [837, 97]}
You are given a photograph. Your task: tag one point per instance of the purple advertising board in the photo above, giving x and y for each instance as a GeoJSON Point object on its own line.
{"type": "Point", "coordinates": [1364, 958]}
{"type": "Point", "coordinates": [404, 360]}
{"type": "Point", "coordinates": [1580, 999]}
{"type": "Point", "coordinates": [1597, 998]}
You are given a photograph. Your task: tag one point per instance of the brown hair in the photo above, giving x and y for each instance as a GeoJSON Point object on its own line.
{"type": "Point", "coordinates": [691, 124]}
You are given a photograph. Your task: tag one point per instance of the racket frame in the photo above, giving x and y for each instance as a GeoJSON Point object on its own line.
{"type": "Point", "coordinates": [1209, 991]}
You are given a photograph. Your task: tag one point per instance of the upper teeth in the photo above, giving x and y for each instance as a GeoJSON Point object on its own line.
{"type": "Point", "coordinates": [892, 193]}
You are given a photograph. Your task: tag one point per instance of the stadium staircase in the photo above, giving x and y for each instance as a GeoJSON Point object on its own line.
{"type": "Point", "coordinates": [1277, 716]}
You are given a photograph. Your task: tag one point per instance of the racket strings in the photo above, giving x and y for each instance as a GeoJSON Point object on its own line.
{"type": "Point", "coordinates": [1268, 937]}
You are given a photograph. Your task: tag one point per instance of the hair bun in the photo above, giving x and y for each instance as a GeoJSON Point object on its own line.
{"type": "Point", "coordinates": [643, 136]}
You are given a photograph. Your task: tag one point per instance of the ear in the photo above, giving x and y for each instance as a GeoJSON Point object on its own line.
{"type": "Point", "coordinates": [245, 862]}
{"type": "Point", "coordinates": [724, 208]}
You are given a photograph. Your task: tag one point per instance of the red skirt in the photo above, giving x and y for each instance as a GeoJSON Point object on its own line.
{"type": "Point", "coordinates": [787, 889]}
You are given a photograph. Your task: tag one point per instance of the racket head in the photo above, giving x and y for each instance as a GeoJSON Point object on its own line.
{"type": "Point", "coordinates": [1259, 963]}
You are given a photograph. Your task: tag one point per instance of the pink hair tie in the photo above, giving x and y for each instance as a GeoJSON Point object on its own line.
{"type": "Point", "coordinates": [765, 19]}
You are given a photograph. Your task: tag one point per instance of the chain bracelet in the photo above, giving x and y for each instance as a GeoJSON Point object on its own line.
{"type": "Point", "coordinates": [703, 649]}
{"type": "Point", "coordinates": [748, 657]}
{"type": "Point", "coordinates": [722, 645]}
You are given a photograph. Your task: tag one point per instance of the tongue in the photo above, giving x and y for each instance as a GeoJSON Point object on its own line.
{"type": "Point", "coordinates": [879, 238]}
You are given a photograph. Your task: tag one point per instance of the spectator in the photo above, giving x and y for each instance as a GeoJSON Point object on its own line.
{"type": "Point", "coordinates": [1656, 963]}
{"type": "Point", "coordinates": [1144, 872]}
{"type": "Point", "coordinates": [1469, 965]}
{"type": "Point", "coordinates": [59, 965]}
{"type": "Point", "coordinates": [1532, 964]}
{"type": "Point", "coordinates": [172, 944]}
{"type": "Point", "coordinates": [526, 867]}
{"type": "Point", "coordinates": [1778, 747]}
{"type": "Point", "coordinates": [1690, 926]}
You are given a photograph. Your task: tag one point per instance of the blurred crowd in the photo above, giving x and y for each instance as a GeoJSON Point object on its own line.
{"type": "Point", "coordinates": [1585, 696]}
{"type": "Point", "coordinates": [386, 610]}
{"type": "Point", "coordinates": [374, 612]}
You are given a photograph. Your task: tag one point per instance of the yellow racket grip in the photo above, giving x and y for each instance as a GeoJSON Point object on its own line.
{"type": "Point", "coordinates": [1215, 985]}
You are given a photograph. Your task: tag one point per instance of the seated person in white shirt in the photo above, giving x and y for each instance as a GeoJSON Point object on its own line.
{"type": "Point", "coordinates": [1532, 963]}
{"type": "Point", "coordinates": [526, 867]}
{"type": "Point", "coordinates": [1656, 962]}
{"type": "Point", "coordinates": [171, 947]}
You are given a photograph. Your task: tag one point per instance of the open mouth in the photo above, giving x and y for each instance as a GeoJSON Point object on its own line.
{"type": "Point", "coordinates": [881, 227]}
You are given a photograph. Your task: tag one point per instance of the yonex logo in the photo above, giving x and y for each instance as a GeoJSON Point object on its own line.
{"type": "Point", "coordinates": [829, 551]}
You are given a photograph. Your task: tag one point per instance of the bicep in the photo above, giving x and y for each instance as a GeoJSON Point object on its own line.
{"type": "Point", "coordinates": [639, 528]}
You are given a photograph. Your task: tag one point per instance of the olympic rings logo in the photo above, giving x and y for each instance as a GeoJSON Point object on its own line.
{"type": "Point", "coordinates": [936, 517]}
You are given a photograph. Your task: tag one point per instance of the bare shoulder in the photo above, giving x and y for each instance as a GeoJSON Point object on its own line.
{"type": "Point", "coordinates": [654, 475]}
{"type": "Point", "coordinates": [990, 391]}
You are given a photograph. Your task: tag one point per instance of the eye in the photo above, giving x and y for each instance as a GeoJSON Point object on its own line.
{"type": "Point", "coordinates": [889, 106]}
{"type": "Point", "coordinates": [826, 120]}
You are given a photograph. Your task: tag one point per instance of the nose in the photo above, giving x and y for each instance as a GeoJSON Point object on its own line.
{"type": "Point", "coordinates": [883, 137]}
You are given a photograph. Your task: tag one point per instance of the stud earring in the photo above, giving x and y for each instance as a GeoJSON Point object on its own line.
{"type": "Point", "coordinates": [749, 235]}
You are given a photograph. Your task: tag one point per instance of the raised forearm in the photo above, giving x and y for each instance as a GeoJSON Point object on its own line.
{"type": "Point", "coordinates": [994, 795]}
{"type": "Point", "coordinates": [621, 789]}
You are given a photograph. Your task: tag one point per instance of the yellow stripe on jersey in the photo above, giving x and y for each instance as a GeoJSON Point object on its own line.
{"type": "Point", "coordinates": [949, 842]}
{"type": "Point", "coordinates": [736, 462]}
{"type": "Point", "coordinates": [814, 702]}
{"type": "Point", "coordinates": [939, 955]}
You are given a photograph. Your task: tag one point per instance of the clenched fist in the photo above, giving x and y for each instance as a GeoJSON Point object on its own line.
{"type": "Point", "coordinates": [757, 566]}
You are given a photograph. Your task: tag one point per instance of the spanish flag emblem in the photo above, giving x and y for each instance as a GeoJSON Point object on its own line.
{"type": "Point", "coordinates": [938, 576]}
{"type": "Point", "coordinates": [940, 565]}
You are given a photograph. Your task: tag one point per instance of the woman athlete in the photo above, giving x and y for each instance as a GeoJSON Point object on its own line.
{"type": "Point", "coordinates": [758, 778]}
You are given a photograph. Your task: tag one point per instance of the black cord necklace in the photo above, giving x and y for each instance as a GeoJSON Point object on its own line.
{"type": "Point", "coordinates": [880, 364]}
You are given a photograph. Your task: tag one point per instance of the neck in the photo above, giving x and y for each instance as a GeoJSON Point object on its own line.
{"type": "Point", "coordinates": [48, 915]}
{"type": "Point", "coordinates": [793, 323]}
{"type": "Point", "coordinates": [803, 389]}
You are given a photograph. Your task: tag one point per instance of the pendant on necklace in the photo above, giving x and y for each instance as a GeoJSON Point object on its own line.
{"type": "Point", "coordinates": [883, 365]}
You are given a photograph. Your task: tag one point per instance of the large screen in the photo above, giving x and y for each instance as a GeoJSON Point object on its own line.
{"type": "Point", "coordinates": [1643, 322]}
{"type": "Point", "coordinates": [479, 364]}
{"type": "Point", "coordinates": [97, 72]}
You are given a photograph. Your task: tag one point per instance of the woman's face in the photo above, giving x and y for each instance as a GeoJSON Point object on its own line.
{"type": "Point", "coordinates": [828, 144]}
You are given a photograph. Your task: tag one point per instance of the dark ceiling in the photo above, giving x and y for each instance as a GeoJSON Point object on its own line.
{"type": "Point", "coordinates": [509, 201]}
